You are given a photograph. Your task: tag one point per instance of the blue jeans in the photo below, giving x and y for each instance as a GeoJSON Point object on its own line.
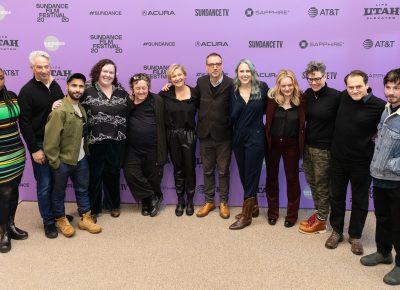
{"type": "Point", "coordinates": [44, 187]}
{"type": "Point", "coordinates": [79, 175]}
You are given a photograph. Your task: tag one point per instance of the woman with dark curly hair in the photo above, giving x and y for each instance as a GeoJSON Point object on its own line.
{"type": "Point", "coordinates": [105, 103]}
{"type": "Point", "coordinates": [12, 163]}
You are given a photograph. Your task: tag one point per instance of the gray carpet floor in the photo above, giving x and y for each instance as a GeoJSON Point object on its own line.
{"type": "Point", "coordinates": [167, 252]}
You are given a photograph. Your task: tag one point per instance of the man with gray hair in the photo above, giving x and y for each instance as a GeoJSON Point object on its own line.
{"type": "Point", "coordinates": [35, 100]}
{"type": "Point", "coordinates": [322, 104]}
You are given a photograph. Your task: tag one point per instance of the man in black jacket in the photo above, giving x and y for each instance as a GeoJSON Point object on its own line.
{"type": "Point", "coordinates": [214, 131]}
{"type": "Point", "coordinates": [35, 100]}
{"type": "Point", "coordinates": [352, 149]}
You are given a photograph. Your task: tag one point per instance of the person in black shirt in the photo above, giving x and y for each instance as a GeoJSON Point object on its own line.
{"type": "Point", "coordinates": [352, 149]}
{"type": "Point", "coordinates": [285, 138]}
{"type": "Point", "coordinates": [35, 100]}
{"type": "Point", "coordinates": [181, 103]}
{"type": "Point", "coordinates": [105, 103]}
{"type": "Point", "coordinates": [146, 151]}
{"type": "Point", "coordinates": [322, 103]}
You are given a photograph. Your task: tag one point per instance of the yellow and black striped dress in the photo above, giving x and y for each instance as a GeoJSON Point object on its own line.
{"type": "Point", "coordinates": [12, 150]}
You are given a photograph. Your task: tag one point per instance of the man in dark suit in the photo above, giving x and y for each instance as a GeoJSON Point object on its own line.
{"type": "Point", "coordinates": [214, 131]}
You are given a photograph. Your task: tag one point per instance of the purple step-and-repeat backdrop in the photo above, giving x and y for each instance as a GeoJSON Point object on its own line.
{"type": "Point", "coordinates": [147, 36]}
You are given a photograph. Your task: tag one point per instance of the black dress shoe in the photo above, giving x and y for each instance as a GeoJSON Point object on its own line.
{"type": "Point", "coordinates": [289, 224]}
{"type": "Point", "coordinates": [16, 233]}
{"type": "Point", "coordinates": [70, 218]}
{"type": "Point", "coordinates": [155, 205]}
{"type": "Point", "coordinates": [146, 206]}
{"type": "Point", "coordinates": [50, 231]}
{"type": "Point", "coordinates": [271, 221]}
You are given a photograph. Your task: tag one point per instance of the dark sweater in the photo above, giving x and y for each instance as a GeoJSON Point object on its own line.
{"type": "Point", "coordinates": [321, 112]}
{"type": "Point", "coordinates": [355, 126]}
{"type": "Point", "coordinates": [35, 101]}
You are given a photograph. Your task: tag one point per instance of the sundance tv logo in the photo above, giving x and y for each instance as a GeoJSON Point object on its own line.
{"type": "Point", "coordinates": [158, 13]}
{"type": "Point", "coordinates": [249, 12]}
{"type": "Point", "coordinates": [381, 11]}
{"type": "Point", "coordinates": [51, 43]}
{"type": "Point", "coordinates": [314, 12]}
{"type": "Point", "coordinates": [265, 44]}
{"type": "Point", "coordinates": [330, 75]}
{"type": "Point", "coordinates": [303, 44]}
{"type": "Point", "coordinates": [210, 43]}
{"type": "Point", "coordinates": [369, 43]}
{"type": "Point", "coordinates": [211, 12]}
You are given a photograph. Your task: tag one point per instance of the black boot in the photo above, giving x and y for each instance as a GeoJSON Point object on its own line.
{"type": "Point", "coordinates": [5, 241]}
{"type": "Point", "coordinates": [16, 233]}
{"type": "Point", "coordinates": [180, 206]}
{"type": "Point", "coordinates": [189, 207]}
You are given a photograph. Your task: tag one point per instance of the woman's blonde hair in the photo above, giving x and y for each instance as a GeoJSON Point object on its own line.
{"type": "Point", "coordinates": [173, 67]}
{"type": "Point", "coordinates": [275, 92]}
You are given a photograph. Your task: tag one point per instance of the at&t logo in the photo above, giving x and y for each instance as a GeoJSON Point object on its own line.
{"type": "Point", "coordinates": [369, 43]}
{"type": "Point", "coordinates": [314, 12]}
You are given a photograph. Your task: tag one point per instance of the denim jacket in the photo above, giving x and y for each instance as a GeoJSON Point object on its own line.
{"type": "Point", "coordinates": [386, 161]}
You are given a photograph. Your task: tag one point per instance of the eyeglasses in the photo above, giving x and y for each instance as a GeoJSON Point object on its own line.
{"type": "Point", "coordinates": [217, 64]}
{"type": "Point", "coordinates": [1, 78]}
{"type": "Point", "coordinates": [317, 80]}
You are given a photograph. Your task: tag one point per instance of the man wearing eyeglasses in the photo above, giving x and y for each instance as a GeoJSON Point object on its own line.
{"type": "Point", "coordinates": [35, 100]}
{"type": "Point", "coordinates": [322, 103]}
{"type": "Point", "coordinates": [352, 149]}
{"type": "Point", "coordinates": [214, 131]}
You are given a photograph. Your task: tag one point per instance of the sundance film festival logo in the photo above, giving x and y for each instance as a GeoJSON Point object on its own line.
{"type": "Point", "coordinates": [211, 12]}
{"type": "Point", "coordinates": [59, 73]}
{"type": "Point", "coordinates": [8, 44]}
{"type": "Point", "coordinates": [330, 75]}
{"type": "Point", "coordinates": [105, 13]}
{"type": "Point", "coordinates": [265, 43]}
{"type": "Point", "coordinates": [101, 42]}
{"type": "Point", "coordinates": [369, 43]}
{"type": "Point", "coordinates": [52, 11]}
{"type": "Point", "coordinates": [156, 71]}
{"type": "Point", "coordinates": [11, 72]}
{"type": "Point", "coordinates": [158, 13]}
{"type": "Point", "coordinates": [51, 43]}
{"type": "Point", "coordinates": [381, 11]}
{"type": "Point", "coordinates": [303, 44]}
{"type": "Point", "coordinates": [249, 12]}
{"type": "Point", "coordinates": [159, 43]}
{"type": "Point", "coordinates": [3, 12]}
{"type": "Point", "coordinates": [211, 43]}
{"type": "Point", "coordinates": [314, 12]}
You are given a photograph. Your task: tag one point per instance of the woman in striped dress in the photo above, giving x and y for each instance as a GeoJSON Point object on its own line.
{"type": "Point", "coordinates": [12, 163]}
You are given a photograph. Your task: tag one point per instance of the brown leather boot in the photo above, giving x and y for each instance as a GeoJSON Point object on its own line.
{"type": "Point", "coordinates": [246, 218]}
{"type": "Point", "coordinates": [254, 213]}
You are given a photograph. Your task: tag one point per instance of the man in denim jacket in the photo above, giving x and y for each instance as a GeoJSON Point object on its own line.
{"type": "Point", "coordinates": [385, 170]}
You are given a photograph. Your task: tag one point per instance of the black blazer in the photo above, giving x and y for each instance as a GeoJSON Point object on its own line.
{"type": "Point", "coordinates": [214, 111]}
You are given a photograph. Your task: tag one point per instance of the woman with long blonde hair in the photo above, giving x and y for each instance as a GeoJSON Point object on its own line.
{"type": "Point", "coordinates": [285, 124]}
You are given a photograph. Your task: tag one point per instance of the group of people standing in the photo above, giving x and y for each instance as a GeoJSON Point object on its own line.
{"type": "Point", "coordinates": [98, 127]}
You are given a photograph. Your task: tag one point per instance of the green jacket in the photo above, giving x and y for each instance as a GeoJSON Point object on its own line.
{"type": "Point", "coordinates": [63, 135]}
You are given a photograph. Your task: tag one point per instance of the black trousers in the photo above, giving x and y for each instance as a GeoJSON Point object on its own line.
{"type": "Point", "coordinates": [143, 175]}
{"type": "Point", "coordinates": [357, 173]}
{"type": "Point", "coordinates": [182, 148]}
{"type": "Point", "coordinates": [105, 166]}
{"type": "Point", "coordinates": [387, 212]}
{"type": "Point", "coordinates": [9, 195]}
